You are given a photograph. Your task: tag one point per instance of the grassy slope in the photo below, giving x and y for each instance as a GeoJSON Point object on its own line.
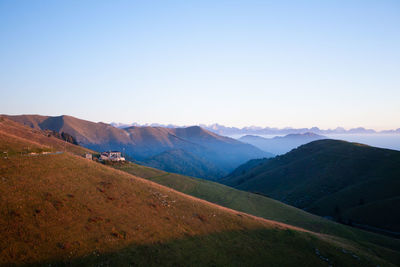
{"type": "Point", "coordinates": [75, 207]}
{"type": "Point", "coordinates": [330, 178]}
{"type": "Point", "coordinates": [18, 139]}
{"type": "Point", "coordinates": [84, 131]}
{"type": "Point", "coordinates": [65, 209]}
{"type": "Point", "coordinates": [264, 207]}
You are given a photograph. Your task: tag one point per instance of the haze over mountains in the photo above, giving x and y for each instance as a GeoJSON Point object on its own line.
{"type": "Point", "coordinates": [258, 130]}
{"type": "Point", "coordinates": [191, 151]}
{"type": "Point", "coordinates": [349, 182]}
{"type": "Point", "coordinates": [280, 144]}
{"type": "Point", "coordinates": [385, 139]}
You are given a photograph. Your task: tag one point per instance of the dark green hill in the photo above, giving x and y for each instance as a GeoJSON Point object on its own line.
{"type": "Point", "coordinates": [350, 182]}
{"type": "Point", "coordinates": [242, 169]}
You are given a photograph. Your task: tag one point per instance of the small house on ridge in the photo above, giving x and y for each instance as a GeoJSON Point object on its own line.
{"type": "Point", "coordinates": [112, 156]}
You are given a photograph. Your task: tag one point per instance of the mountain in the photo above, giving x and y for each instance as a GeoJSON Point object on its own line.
{"type": "Point", "coordinates": [16, 138]}
{"type": "Point", "coordinates": [79, 212]}
{"type": "Point", "coordinates": [280, 144]}
{"type": "Point", "coordinates": [61, 209]}
{"type": "Point", "coordinates": [213, 154]}
{"type": "Point", "coordinates": [242, 169]}
{"type": "Point", "coordinates": [88, 134]}
{"type": "Point", "coordinates": [350, 182]}
{"type": "Point", "coordinates": [256, 130]}
{"type": "Point", "coordinates": [397, 131]}
{"type": "Point", "coordinates": [180, 161]}
{"type": "Point", "coordinates": [126, 125]}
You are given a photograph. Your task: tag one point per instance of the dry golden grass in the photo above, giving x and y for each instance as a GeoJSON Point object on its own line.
{"type": "Point", "coordinates": [17, 138]}
{"type": "Point", "coordinates": [62, 205]}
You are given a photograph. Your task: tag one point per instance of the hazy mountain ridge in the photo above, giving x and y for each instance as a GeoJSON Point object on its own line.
{"type": "Point", "coordinates": [258, 130]}
{"type": "Point", "coordinates": [223, 130]}
{"type": "Point", "coordinates": [142, 143]}
{"type": "Point", "coordinates": [331, 178]}
{"type": "Point", "coordinates": [280, 144]}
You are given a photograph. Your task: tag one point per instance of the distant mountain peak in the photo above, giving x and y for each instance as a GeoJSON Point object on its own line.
{"type": "Point", "coordinates": [259, 130]}
{"type": "Point", "coordinates": [194, 128]}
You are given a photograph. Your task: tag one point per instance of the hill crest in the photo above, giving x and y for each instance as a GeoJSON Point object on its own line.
{"type": "Point", "coordinates": [331, 178]}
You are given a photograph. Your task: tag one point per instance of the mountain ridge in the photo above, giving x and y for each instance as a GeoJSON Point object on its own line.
{"type": "Point", "coordinates": [142, 143]}
{"type": "Point", "coordinates": [259, 130]}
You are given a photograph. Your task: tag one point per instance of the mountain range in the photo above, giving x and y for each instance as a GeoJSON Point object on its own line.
{"type": "Point", "coordinates": [191, 150]}
{"type": "Point", "coordinates": [348, 182]}
{"type": "Point", "coordinates": [58, 208]}
{"type": "Point", "coordinates": [280, 144]}
{"type": "Point", "coordinates": [258, 130]}
{"type": "Point", "coordinates": [328, 177]}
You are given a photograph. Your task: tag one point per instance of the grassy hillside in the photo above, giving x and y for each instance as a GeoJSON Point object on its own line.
{"type": "Point", "coordinates": [264, 207]}
{"type": "Point", "coordinates": [242, 169]}
{"type": "Point", "coordinates": [347, 181]}
{"type": "Point", "coordinates": [63, 209]}
{"type": "Point", "coordinates": [86, 132]}
{"type": "Point", "coordinates": [17, 138]}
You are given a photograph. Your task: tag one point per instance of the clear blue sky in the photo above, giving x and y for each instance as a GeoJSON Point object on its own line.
{"type": "Point", "coordinates": [268, 63]}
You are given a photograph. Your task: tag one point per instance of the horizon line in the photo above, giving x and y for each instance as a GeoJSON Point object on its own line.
{"type": "Point", "coordinates": [155, 124]}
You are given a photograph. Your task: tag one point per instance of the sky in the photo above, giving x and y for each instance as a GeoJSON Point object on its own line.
{"type": "Point", "coordinates": [236, 63]}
